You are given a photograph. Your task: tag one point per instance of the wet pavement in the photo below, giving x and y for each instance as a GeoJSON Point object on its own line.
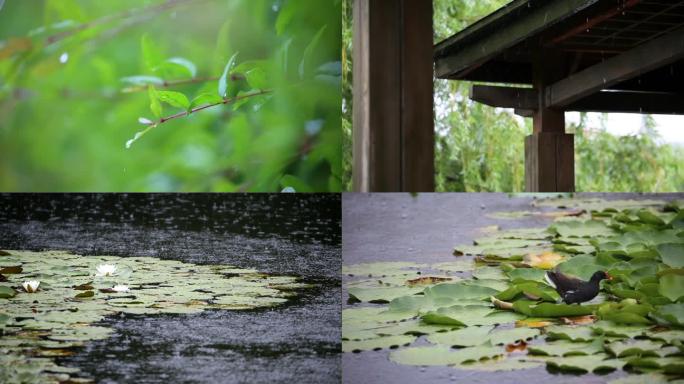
{"type": "Point", "coordinates": [281, 234]}
{"type": "Point", "coordinates": [424, 229]}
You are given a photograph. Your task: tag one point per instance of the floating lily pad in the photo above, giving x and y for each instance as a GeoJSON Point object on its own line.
{"type": "Point", "coordinates": [626, 348]}
{"type": "Point", "coordinates": [671, 314]}
{"type": "Point", "coordinates": [502, 364]}
{"type": "Point", "coordinates": [612, 329]}
{"type": "Point", "coordinates": [582, 333]}
{"type": "Point", "coordinates": [377, 343]}
{"type": "Point", "coordinates": [459, 291]}
{"type": "Point", "coordinates": [469, 315]}
{"type": "Point", "coordinates": [590, 228]}
{"type": "Point", "coordinates": [383, 294]}
{"type": "Point", "coordinates": [383, 269]}
{"type": "Point", "coordinates": [64, 312]}
{"type": "Point", "coordinates": [598, 362]}
{"type": "Point", "coordinates": [672, 285]}
{"type": "Point", "coordinates": [439, 355]}
{"type": "Point", "coordinates": [568, 348]}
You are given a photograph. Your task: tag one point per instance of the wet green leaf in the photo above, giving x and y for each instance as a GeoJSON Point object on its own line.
{"type": "Point", "coordinates": [255, 78]}
{"type": "Point", "coordinates": [175, 99]}
{"type": "Point", "coordinates": [223, 81]}
{"type": "Point", "coordinates": [155, 105]}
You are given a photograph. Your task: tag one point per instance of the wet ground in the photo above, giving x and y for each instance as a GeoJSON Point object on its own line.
{"type": "Point", "coordinates": [424, 229]}
{"type": "Point", "coordinates": [283, 234]}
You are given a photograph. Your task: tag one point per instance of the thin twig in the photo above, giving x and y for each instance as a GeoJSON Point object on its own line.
{"type": "Point", "coordinates": [179, 82]}
{"type": "Point", "coordinates": [131, 12]}
{"type": "Point", "coordinates": [225, 101]}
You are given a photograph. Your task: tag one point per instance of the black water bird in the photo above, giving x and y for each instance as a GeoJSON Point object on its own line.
{"type": "Point", "coordinates": [575, 290]}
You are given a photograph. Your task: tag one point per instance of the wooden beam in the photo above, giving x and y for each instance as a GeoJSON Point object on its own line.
{"type": "Point", "coordinates": [549, 162]}
{"type": "Point", "coordinates": [456, 54]}
{"type": "Point", "coordinates": [631, 102]}
{"type": "Point", "coordinates": [417, 98]}
{"type": "Point", "coordinates": [524, 101]}
{"type": "Point", "coordinates": [504, 97]}
{"type": "Point", "coordinates": [393, 96]}
{"type": "Point", "coordinates": [644, 58]}
{"type": "Point", "coordinates": [377, 102]}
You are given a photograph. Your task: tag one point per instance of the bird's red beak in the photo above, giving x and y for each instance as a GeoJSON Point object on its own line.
{"type": "Point", "coordinates": [609, 277]}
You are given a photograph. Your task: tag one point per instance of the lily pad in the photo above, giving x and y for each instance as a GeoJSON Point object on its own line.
{"type": "Point", "coordinates": [568, 348]}
{"type": "Point", "coordinates": [439, 355]}
{"type": "Point", "coordinates": [597, 362]}
{"type": "Point", "coordinates": [468, 315]}
{"type": "Point", "coordinates": [672, 285]}
{"type": "Point", "coordinates": [383, 294]}
{"type": "Point", "coordinates": [459, 291]}
{"type": "Point", "coordinates": [377, 343]}
{"type": "Point", "coordinates": [582, 333]}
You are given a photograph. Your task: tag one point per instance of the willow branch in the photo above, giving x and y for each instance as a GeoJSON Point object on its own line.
{"type": "Point", "coordinates": [131, 12]}
{"type": "Point", "coordinates": [225, 101]}
{"type": "Point", "coordinates": [180, 82]}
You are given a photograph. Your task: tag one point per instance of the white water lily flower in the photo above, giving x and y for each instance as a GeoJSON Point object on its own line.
{"type": "Point", "coordinates": [31, 286]}
{"type": "Point", "coordinates": [120, 288]}
{"type": "Point", "coordinates": [106, 270]}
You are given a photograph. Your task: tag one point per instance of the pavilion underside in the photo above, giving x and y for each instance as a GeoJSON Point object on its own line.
{"type": "Point", "coordinates": [570, 55]}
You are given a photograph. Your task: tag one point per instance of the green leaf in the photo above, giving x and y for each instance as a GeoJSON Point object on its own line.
{"type": "Point", "coordinates": [468, 315]}
{"type": "Point", "coordinates": [86, 294]}
{"type": "Point", "coordinates": [294, 182]}
{"type": "Point", "coordinates": [551, 310]}
{"type": "Point", "coordinates": [286, 15]}
{"type": "Point", "coordinates": [155, 105]}
{"type": "Point", "coordinates": [672, 254]}
{"type": "Point", "coordinates": [460, 291]}
{"type": "Point", "coordinates": [672, 286]}
{"type": "Point", "coordinates": [255, 78]}
{"type": "Point", "coordinates": [223, 82]}
{"type": "Point", "coordinates": [377, 343]}
{"type": "Point", "coordinates": [598, 362]}
{"type": "Point", "coordinates": [178, 64]}
{"type": "Point", "coordinates": [261, 100]}
{"type": "Point", "coordinates": [126, 273]}
{"type": "Point", "coordinates": [175, 99]}
{"type": "Point", "coordinates": [150, 52]}
{"type": "Point", "coordinates": [205, 98]}
{"type": "Point", "coordinates": [382, 294]}
{"type": "Point", "coordinates": [304, 65]}
{"type": "Point", "coordinates": [7, 292]}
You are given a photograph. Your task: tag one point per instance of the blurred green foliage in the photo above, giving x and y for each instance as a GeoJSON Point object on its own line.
{"type": "Point", "coordinates": [74, 93]}
{"type": "Point", "coordinates": [481, 149]}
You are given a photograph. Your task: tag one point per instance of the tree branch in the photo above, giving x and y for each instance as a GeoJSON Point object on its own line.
{"type": "Point", "coordinates": [179, 82]}
{"type": "Point", "coordinates": [131, 12]}
{"type": "Point", "coordinates": [225, 101]}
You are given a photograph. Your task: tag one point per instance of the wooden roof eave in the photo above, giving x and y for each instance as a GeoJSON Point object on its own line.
{"type": "Point", "coordinates": [502, 29]}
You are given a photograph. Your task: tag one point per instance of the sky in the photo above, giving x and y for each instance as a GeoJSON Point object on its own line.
{"type": "Point", "coordinates": [670, 127]}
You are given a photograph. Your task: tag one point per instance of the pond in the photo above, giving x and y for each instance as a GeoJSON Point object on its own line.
{"type": "Point", "coordinates": [423, 229]}
{"type": "Point", "coordinates": [278, 234]}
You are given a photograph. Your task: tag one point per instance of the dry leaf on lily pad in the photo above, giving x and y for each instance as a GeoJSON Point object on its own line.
{"type": "Point", "coordinates": [518, 346]}
{"type": "Point", "coordinates": [545, 260]}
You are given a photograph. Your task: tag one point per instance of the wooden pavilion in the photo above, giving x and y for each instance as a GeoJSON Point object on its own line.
{"type": "Point", "coordinates": [563, 55]}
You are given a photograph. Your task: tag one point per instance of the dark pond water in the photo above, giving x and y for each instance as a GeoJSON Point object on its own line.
{"type": "Point", "coordinates": [424, 229]}
{"type": "Point", "coordinates": [287, 234]}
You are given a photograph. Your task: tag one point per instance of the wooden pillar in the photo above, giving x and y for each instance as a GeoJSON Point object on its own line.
{"type": "Point", "coordinates": [393, 96]}
{"type": "Point", "coordinates": [549, 151]}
